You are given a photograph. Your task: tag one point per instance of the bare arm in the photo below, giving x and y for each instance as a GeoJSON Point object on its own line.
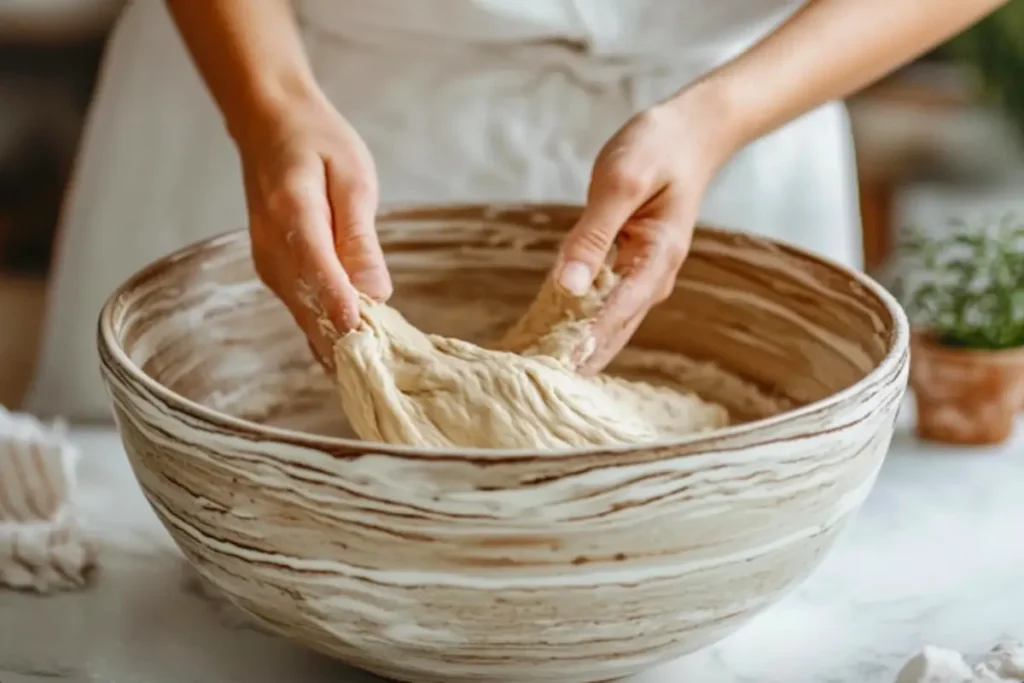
{"type": "Point", "coordinates": [649, 180]}
{"type": "Point", "coordinates": [310, 182]}
{"type": "Point", "coordinates": [250, 55]}
{"type": "Point", "coordinates": [828, 50]}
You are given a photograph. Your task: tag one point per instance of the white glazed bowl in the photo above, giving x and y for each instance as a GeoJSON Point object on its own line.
{"type": "Point", "coordinates": [456, 566]}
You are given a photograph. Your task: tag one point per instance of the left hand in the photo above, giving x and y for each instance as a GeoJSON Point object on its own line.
{"type": "Point", "coordinates": [644, 197]}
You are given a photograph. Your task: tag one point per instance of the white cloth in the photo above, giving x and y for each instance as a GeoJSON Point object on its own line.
{"type": "Point", "coordinates": [42, 547]}
{"type": "Point", "coordinates": [458, 100]}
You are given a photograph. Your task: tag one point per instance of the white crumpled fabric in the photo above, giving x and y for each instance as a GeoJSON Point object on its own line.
{"type": "Point", "coordinates": [459, 101]}
{"type": "Point", "coordinates": [42, 547]}
{"type": "Point", "coordinates": [1003, 664]}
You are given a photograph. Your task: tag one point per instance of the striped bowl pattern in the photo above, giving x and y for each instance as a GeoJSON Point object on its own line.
{"type": "Point", "coordinates": [461, 566]}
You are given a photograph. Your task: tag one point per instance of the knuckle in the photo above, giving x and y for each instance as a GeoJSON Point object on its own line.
{"type": "Point", "coordinates": [355, 238]}
{"type": "Point", "coordinates": [293, 194]}
{"type": "Point", "coordinates": [356, 186]}
{"type": "Point", "coordinates": [649, 118]}
{"type": "Point", "coordinates": [589, 245]}
{"type": "Point", "coordinates": [283, 200]}
{"type": "Point", "coordinates": [625, 181]}
{"type": "Point", "coordinates": [594, 240]}
{"type": "Point", "coordinates": [361, 192]}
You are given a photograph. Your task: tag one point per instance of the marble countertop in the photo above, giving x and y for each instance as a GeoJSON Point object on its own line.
{"type": "Point", "coordinates": [935, 556]}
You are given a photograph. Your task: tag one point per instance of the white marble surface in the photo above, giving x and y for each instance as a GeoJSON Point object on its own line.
{"type": "Point", "coordinates": [935, 556]}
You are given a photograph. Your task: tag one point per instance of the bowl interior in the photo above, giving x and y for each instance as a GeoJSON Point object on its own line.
{"type": "Point", "coordinates": [754, 325]}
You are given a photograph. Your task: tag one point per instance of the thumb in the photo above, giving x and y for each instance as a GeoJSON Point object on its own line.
{"type": "Point", "coordinates": [587, 245]}
{"type": "Point", "coordinates": [353, 212]}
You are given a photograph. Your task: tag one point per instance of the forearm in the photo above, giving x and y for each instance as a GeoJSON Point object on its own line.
{"type": "Point", "coordinates": [828, 50]}
{"type": "Point", "coordinates": [250, 55]}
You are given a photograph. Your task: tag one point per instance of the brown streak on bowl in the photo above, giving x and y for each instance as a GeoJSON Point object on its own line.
{"type": "Point", "coordinates": [471, 565]}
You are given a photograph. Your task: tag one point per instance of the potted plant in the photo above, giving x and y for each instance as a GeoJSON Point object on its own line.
{"type": "Point", "coordinates": [964, 293]}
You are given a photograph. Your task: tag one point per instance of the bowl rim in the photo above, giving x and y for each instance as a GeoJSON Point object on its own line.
{"type": "Point", "coordinates": [899, 340]}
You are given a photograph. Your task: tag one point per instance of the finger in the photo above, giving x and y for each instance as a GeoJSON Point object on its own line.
{"type": "Point", "coordinates": [353, 211]}
{"type": "Point", "coordinates": [311, 241]}
{"type": "Point", "coordinates": [647, 268]}
{"type": "Point", "coordinates": [625, 310]}
{"type": "Point", "coordinates": [612, 342]}
{"type": "Point", "coordinates": [325, 360]}
{"type": "Point", "coordinates": [323, 284]}
{"type": "Point", "coordinates": [306, 316]}
{"type": "Point", "coordinates": [320, 344]}
{"type": "Point", "coordinates": [613, 200]}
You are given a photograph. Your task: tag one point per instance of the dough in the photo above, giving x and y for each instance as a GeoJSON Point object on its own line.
{"type": "Point", "coordinates": [1005, 663]}
{"type": "Point", "coordinates": [401, 386]}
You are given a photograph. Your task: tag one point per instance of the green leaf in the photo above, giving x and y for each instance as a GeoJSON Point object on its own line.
{"type": "Point", "coordinates": [967, 285]}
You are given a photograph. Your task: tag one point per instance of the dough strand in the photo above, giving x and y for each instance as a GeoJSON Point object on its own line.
{"type": "Point", "coordinates": [399, 385]}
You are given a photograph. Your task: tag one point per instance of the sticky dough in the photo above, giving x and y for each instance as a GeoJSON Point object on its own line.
{"type": "Point", "coordinates": [399, 385]}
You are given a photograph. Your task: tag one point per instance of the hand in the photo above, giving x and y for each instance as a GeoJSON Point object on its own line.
{"type": "Point", "coordinates": [311, 190]}
{"type": "Point", "coordinates": [644, 197]}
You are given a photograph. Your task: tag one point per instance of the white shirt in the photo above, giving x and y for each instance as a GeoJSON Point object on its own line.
{"type": "Point", "coordinates": [458, 100]}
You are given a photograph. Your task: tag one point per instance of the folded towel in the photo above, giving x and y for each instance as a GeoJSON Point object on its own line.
{"type": "Point", "coordinates": [1004, 663]}
{"type": "Point", "coordinates": [42, 547]}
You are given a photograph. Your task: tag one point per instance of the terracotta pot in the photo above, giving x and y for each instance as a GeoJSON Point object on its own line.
{"type": "Point", "coordinates": [469, 566]}
{"type": "Point", "coordinates": [965, 396]}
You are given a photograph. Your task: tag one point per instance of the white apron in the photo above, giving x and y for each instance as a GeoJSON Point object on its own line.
{"type": "Point", "coordinates": [458, 100]}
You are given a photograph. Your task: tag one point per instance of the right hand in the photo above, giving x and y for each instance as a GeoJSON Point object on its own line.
{"type": "Point", "coordinates": [311, 190]}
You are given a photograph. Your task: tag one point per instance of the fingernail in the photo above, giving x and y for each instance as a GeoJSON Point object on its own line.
{"type": "Point", "coordinates": [575, 278]}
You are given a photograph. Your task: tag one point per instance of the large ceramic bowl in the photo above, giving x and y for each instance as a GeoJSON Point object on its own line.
{"type": "Point", "coordinates": [454, 566]}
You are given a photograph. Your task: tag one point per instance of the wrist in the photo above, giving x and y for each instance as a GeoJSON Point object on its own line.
{"type": "Point", "coordinates": [269, 106]}
{"type": "Point", "coordinates": [710, 106]}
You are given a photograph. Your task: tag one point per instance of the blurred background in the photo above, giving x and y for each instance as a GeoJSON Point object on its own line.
{"type": "Point", "coordinates": [940, 137]}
